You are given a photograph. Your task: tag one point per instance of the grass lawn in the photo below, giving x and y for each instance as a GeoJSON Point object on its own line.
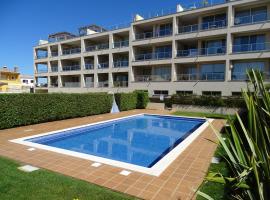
{"type": "Point", "coordinates": [199, 114]}
{"type": "Point", "coordinates": [43, 184]}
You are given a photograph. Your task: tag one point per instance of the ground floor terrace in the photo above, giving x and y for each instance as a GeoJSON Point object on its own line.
{"type": "Point", "coordinates": [179, 181]}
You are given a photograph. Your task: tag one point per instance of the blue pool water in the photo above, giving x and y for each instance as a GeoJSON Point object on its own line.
{"type": "Point", "coordinates": [141, 140]}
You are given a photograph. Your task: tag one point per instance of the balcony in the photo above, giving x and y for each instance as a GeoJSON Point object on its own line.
{"type": "Point", "coordinates": [251, 19]}
{"type": "Point", "coordinates": [255, 47]}
{"type": "Point", "coordinates": [71, 84]}
{"type": "Point", "coordinates": [54, 68]}
{"type": "Point", "coordinates": [120, 64]}
{"type": "Point", "coordinates": [152, 78]}
{"type": "Point", "coordinates": [103, 65]}
{"type": "Point", "coordinates": [40, 71]}
{"type": "Point", "coordinates": [88, 66]}
{"type": "Point", "coordinates": [153, 56]}
{"type": "Point", "coordinates": [54, 53]}
{"type": "Point", "coordinates": [120, 44]}
{"type": "Point", "coordinates": [149, 35]}
{"type": "Point", "coordinates": [41, 85]}
{"type": "Point", "coordinates": [71, 68]}
{"type": "Point", "coordinates": [97, 47]}
{"type": "Point", "coordinates": [202, 27]}
{"type": "Point", "coordinates": [89, 84]}
{"type": "Point", "coordinates": [241, 76]}
{"type": "Point", "coordinates": [71, 51]}
{"type": "Point", "coordinates": [103, 84]}
{"type": "Point", "coordinates": [120, 83]}
{"type": "Point", "coordinates": [211, 76]}
{"type": "Point", "coordinates": [40, 56]}
{"type": "Point", "coordinates": [212, 51]}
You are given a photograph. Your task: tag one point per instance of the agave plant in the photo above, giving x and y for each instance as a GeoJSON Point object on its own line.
{"type": "Point", "coordinates": [247, 148]}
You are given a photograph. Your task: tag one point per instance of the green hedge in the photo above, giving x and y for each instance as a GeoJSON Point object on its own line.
{"type": "Point", "coordinates": [25, 109]}
{"type": "Point", "coordinates": [129, 101]}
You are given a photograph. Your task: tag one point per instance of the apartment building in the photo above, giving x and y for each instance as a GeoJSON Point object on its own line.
{"type": "Point", "coordinates": [195, 50]}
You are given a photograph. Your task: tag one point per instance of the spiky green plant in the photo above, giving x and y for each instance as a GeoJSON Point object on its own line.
{"type": "Point", "coordinates": [247, 148]}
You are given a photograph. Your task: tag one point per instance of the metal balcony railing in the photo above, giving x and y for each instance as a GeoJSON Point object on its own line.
{"type": "Point", "coordinates": [210, 76]}
{"type": "Point", "coordinates": [120, 63]}
{"type": "Point", "coordinates": [150, 78]}
{"type": "Point", "coordinates": [121, 44]}
{"type": "Point", "coordinates": [89, 84]}
{"type": "Point", "coordinates": [251, 19]}
{"type": "Point", "coordinates": [242, 76]}
{"type": "Point", "coordinates": [71, 51]}
{"type": "Point", "coordinates": [242, 48]}
{"type": "Point", "coordinates": [212, 51]}
{"type": "Point", "coordinates": [89, 66]}
{"type": "Point", "coordinates": [120, 83]}
{"type": "Point", "coordinates": [71, 84]}
{"type": "Point", "coordinates": [54, 53]}
{"type": "Point", "coordinates": [54, 68]}
{"type": "Point", "coordinates": [153, 56]}
{"type": "Point", "coordinates": [148, 35]}
{"type": "Point", "coordinates": [203, 26]}
{"type": "Point", "coordinates": [103, 84]}
{"type": "Point", "coordinates": [103, 65]}
{"type": "Point", "coordinates": [71, 68]}
{"type": "Point", "coordinates": [97, 47]}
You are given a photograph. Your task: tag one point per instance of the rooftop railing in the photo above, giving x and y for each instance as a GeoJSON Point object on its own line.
{"type": "Point", "coordinates": [71, 51]}
{"type": "Point", "coordinates": [88, 66]}
{"type": "Point", "coordinates": [153, 56]}
{"type": "Point", "coordinates": [120, 83]}
{"type": "Point", "coordinates": [71, 68]}
{"type": "Point", "coordinates": [210, 76]}
{"type": "Point", "coordinates": [71, 84]}
{"type": "Point", "coordinates": [203, 26]}
{"type": "Point", "coordinates": [120, 63]}
{"type": "Point", "coordinates": [120, 44]}
{"type": "Point", "coordinates": [212, 51]}
{"type": "Point", "coordinates": [148, 35]}
{"type": "Point", "coordinates": [103, 65]}
{"type": "Point", "coordinates": [245, 48]}
{"type": "Point", "coordinates": [152, 78]}
{"type": "Point", "coordinates": [251, 19]}
{"type": "Point", "coordinates": [97, 47]}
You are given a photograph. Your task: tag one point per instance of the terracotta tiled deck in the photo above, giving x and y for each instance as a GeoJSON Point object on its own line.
{"type": "Point", "coordinates": [178, 181]}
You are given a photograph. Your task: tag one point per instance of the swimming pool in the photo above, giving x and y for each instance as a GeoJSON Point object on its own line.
{"type": "Point", "coordinates": [145, 143]}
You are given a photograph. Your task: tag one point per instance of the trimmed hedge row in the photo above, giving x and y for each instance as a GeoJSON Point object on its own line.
{"type": "Point", "coordinates": [25, 109]}
{"type": "Point", "coordinates": [129, 101]}
{"type": "Point", "coordinates": [231, 102]}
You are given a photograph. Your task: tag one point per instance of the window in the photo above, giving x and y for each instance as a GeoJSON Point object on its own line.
{"type": "Point", "coordinates": [184, 92]}
{"type": "Point", "coordinates": [211, 93]}
{"type": "Point", "coordinates": [214, 21]}
{"type": "Point", "coordinates": [32, 81]}
{"type": "Point", "coordinates": [249, 43]}
{"type": "Point", "coordinates": [213, 47]}
{"type": "Point", "coordinates": [25, 81]}
{"type": "Point", "coordinates": [161, 92]}
{"type": "Point", "coordinates": [251, 16]}
{"type": "Point", "coordinates": [162, 73]}
{"type": "Point", "coordinates": [240, 69]}
{"type": "Point", "coordinates": [212, 71]}
{"type": "Point", "coordinates": [165, 29]}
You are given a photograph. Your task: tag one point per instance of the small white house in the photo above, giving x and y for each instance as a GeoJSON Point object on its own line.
{"type": "Point", "coordinates": [27, 82]}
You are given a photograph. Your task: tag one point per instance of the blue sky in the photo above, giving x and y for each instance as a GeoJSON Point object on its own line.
{"type": "Point", "coordinates": [24, 22]}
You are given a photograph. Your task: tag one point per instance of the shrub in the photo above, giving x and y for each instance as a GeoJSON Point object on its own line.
{"type": "Point", "coordinates": [142, 99]}
{"type": "Point", "coordinates": [25, 109]}
{"type": "Point", "coordinates": [126, 101]}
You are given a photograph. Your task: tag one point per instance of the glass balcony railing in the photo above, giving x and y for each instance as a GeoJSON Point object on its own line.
{"type": "Point", "coordinates": [212, 51]}
{"type": "Point", "coordinates": [153, 56]}
{"type": "Point", "coordinates": [152, 78]}
{"type": "Point", "coordinates": [210, 76]}
{"type": "Point", "coordinates": [120, 44]}
{"type": "Point", "coordinates": [242, 76]}
{"type": "Point", "coordinates": [71, 68]}
{"type": "Point", "coordinates": [71, 51]}
{"type": "Point", "coordinates": [89, 66]}
{"type": "Point", "coordinates": [120, 83]}
{"type": "Point", "coordinates": [42, 55]}
{"type": "Point", "coordinates": [39, 71]}
{"type": "Point", "coordinates": [54, 68]}
{"type": "Point", "coordinates": [148, 35]}
{"type": "Point", "coordinates": [71, 84]}
{"type": "Point", "coordinates": [203, 26]}
{"type": "Point", "coordinates": [89, 84]}
{"type": "Point", "coordinates": [251, 19]}
{"type": "Point", "coordinates": [103, 84]}
{"type": "Point", "coordinates": [120, 64]}
{"type": "Point", "coordinates": [54, 53]}
{"type": "Point", "coordinates": [245, 48]}
{"type": "Point", "coordinates": [97, 47]}
{"type": "Point", "coordinates": [103, 65]}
